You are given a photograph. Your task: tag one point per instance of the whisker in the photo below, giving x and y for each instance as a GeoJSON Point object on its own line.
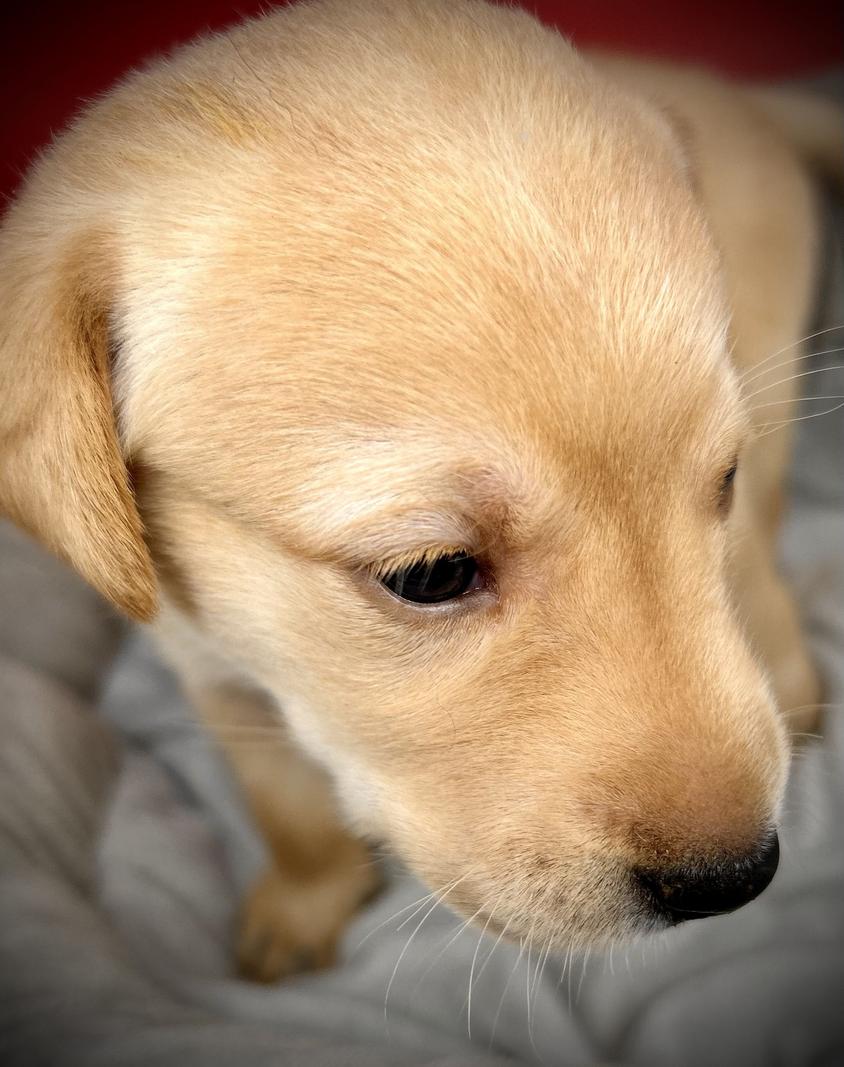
{"type": "Point", "coordinates": [811, 707]}
{"type": "Point", "coordinates": [504, 992]}
{"type": "Point", "coordinates": [472, 976]}
{"type": "Point", "coordinates": [583, 968]}
{"type": "Point", "coordinates": [527, 979]}
{"type": "Point", "coordinates": [411, 917]}
{"type": "Point", "coordinates": [373, 861]}
{"type": "Point", "coordinates": [797, 400]}
{"type": "Point", "coordinates": [794, 344]}
{"type": "Point", "coordinates": [534, 981]}
{"type": "Point", "coordinates": [498, 941]}
{"type": "Point", "coordinates": [570, 968]}
{"type": "Point", "coordinates": [793, 361]}
{"type": "Point", "coordinates": [538, 982]}
{"type": "Point", "coordinates": [457, 933]}
{"type": "Point", "coordinates": [416, 930]}
{"type": "Point", "coordinates": [419, 904]}
{"type": "Point", "coordinates": [802, 341]}
{"type": "Point", "coordinates": [536, 970]}
{"type": "Point", "coordinates": [770, 428]}
{"type": "Point", "coordinates": [793, 378]}
{"type": "Point", "coordinates": [532, 997]}
{"type": "Point", "coordinates": [402, 954]}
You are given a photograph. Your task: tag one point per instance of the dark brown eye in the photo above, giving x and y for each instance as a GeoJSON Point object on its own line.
{"type": "Point", "coordinates": [436, 581]}
{"type": "Point", "coordinates": [725, 492]}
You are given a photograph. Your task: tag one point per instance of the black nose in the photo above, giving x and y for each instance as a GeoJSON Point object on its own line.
{"type": "Point", "coordinates": [711, 889]}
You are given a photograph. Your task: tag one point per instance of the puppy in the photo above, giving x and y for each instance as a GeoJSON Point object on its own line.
{"type": "Point", "coordinates": [420, 382]}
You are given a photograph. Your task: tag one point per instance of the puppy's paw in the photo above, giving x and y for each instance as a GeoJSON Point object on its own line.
{"type": "Point", "coordinates": [291, 923]}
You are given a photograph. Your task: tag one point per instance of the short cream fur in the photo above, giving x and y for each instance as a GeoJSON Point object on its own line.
{"type": "Point", "coordinates": [360, 281]}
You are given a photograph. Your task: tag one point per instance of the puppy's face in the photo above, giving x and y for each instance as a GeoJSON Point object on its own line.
{"type": "Point", "coordinates": [434, 433]}
{"type": "Point", "coordinates": [468, 522]}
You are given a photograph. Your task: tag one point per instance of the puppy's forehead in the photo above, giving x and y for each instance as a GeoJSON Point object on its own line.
{"type": "Point", "coordinates": [473, 362]}
{"type": "Point", "coordinates": [552, 281]}
{"type": "Point", "coordinates": [459, 319]}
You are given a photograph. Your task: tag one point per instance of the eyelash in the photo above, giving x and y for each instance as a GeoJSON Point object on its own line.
{"type": "Point", "coordinates": [384, 568]}
{"type": "Point", "coordinates": [436, 579]}
{"type": "Point", "coordinates": [726, 489]}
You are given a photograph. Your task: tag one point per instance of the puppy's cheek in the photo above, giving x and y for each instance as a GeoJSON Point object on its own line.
{"type": "Point", "coordinates": [361, 798]}
{"type": "Point", "coordinates": [358, 791]}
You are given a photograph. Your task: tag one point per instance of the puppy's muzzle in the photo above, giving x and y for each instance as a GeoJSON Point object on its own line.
{"type": "Point", "coordinates": [698, 891]}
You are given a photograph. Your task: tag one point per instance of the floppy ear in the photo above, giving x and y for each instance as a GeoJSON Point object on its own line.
{"type": "Point", "coordinates": [62, 475]}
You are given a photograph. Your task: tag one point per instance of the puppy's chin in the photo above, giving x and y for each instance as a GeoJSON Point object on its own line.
{"type": "Point", "coordinates": [563, 909]}
{"type": "Point", "coordinates": [587, 905]}
{"type": "Point", "coordinates": [582, 899]}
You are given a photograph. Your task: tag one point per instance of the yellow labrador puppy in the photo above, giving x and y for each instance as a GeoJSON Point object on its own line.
{"type": "Point", "coordinates": [395, 363]}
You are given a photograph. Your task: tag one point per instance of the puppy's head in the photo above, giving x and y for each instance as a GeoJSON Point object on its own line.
{"type": "Point", "coordinates": [419, 356]}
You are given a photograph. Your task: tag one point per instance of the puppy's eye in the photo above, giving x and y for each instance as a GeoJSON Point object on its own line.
{"type": "Point", "coordinates": [435, 581]}
{"type": "Point", "coordinates": [725, 491]}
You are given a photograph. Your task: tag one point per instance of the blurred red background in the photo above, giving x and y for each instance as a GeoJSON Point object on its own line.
{"type": "Point", "coordinates": [55, 54]}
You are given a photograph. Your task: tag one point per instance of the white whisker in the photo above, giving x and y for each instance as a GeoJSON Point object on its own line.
{"type": "Point", "coordinates": [402, 954]}
{"type": "Point", "coordinates": [793, 344]}
{"type": "Point", "coordinates": [538, 981]}
{"type": "Point", "coordinates": [770, 428]}
{"type": "Point", "coordinates": [534, 986]}
{"type": "Point", "coordinates": [793, 378]}
{"type": "Point", "coordinates": [570, 968]}
{"type": "Point", "coordinates": [472, 976]}
{"type": "Point", "coordinates": [498, 941]}
{"type": "Point", "coordinates": [527, 981]}
{"type": "Point", "coordinates": [439, 899]}
{"type": "Point", "coordinates": [798, 400]}
{"type": "Point", "coordinates": [460, 929]}
{"type": "Point", "coordinates": [417, 905]}
{"type": "Point", "coordinates": [504, 992]}
{"type": "Point", "coordinates": [583, 968]}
